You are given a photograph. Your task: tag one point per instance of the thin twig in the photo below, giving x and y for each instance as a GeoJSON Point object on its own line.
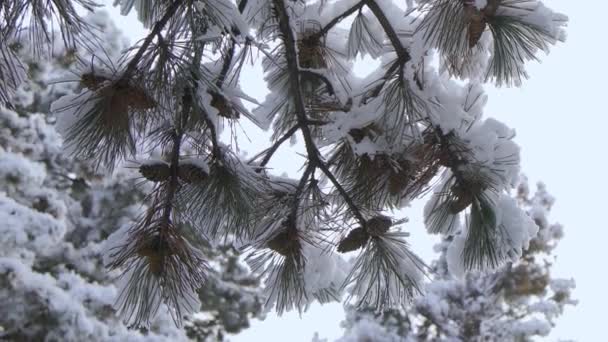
{"type": "Point", "coordinates": [227, 63]}
{"type": "Point", "coordinates": [337, 19]}
{"type": "Point", "coordinates": [268, 153]}
{"type": "Point", "coordinates": [173, 184]}
{"type": "Point", "coordinates": [403, 56]}
{"type": "Point", "coordinates": [402, 53]}
{"type": "Point", "coordinates": [310, 169]}
{"type": "Point", "coordinates": [230, 54]}
{"type": "Point", "coordinates": [277, 144]}
{"type": "Point", "coordinates": [173, 181]}
{"type": "Point", "coordinates": [349, 201]}
{"type": "Point", "coordinates": [157, 29]}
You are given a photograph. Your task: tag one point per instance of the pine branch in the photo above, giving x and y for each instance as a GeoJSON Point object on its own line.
{"type": "Point", "coordinates": [337, 20]}
{"type": "Point", "coordinates": [12, 73]}
{"type": "Point", "coordinates": [40, 18]}
{"type": "Point", "coordinates": [156, 30]}
{"type": "Point", "coordinates": [349, 201]}
{"type": "Point", "coordinates": [269, 152]}
{"type": "Point", "coordinates": [210, 125]}
{"type": "Point", "coordinates": [277, 144]}
{"type": "Point", "coordinates": [294, 79]}
{"type": "Point", "coordinates": [402, 53]}
{"type": "Point", "coordinates": [387, 76]}
{"type": "Point", "coordinates": [310, 169]}
{"type": "Point", "coordinates": [217, 153]}
{"type": "Point", "coordinates": [403, 151]}
{"type": "Point", "coordinates": [230, 54]}
{"type": "Point", "coordinates": [291, 57]}
{"type": "Point", "coordinates": [403, 56]}
{"type": "Point", "coordinates": [226, 65]}
{"type": "Point", "coordinates": [175, 153]}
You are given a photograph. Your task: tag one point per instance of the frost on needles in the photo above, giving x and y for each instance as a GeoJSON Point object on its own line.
{"type": "Point", "coordinates": [170, 107]}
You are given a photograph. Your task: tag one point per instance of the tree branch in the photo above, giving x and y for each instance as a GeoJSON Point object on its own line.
{"type": "Point", "coordinates": [215, 147]}
{"type": "Point", "coordinates": [156, 30]}
{"type": "Point", "coordinates": [387, 75]}
{"type": "Point", "coordinates": [349, 201]}
{"type": "Point", "coordinates": [402, 53]}
{"type": "Point", "coordinates": [226, 66]}
{"type": "Point", "coordinates": [336, 20]}
{"type": "Point", "coordinates": [293, 66]}
{"type": "Point", "coordinates": [230, 54]}
{"type": "Point", "coordinates": [277, 144]}
{"type": "Point", "coordinates": [268, 153]}
{"type": "Point", "coordinates": [310, 168]}
{"type": "Point", "coordinates": [174, 167]}
{"type": "Point", "coordinates": [403, 56]}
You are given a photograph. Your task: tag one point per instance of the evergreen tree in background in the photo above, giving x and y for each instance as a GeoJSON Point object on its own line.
{"type": "Point", "coordinates": [56, 214]}
{"type": "Point", "coordinates": [170, 108]}
{"type": "Point", "coordinates": [516, 302]}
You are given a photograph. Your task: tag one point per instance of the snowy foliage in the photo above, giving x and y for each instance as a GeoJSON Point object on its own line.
{"type": "Point", "coordinates": [57, 214]}
{"type": "Point", "coordinates": [516, 302]}
{"type": "Point", "coordinates": [372, 145]}
{"type": "Point", "coordinates": [51, 275]}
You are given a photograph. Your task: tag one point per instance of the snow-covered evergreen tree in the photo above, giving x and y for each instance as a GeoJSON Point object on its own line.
{"type": "Point", "coordinates": [56, 214]}
{"type": "Point", "coordinates": [412, 127]}
{"type": "Point", "coordinates": [516, 302]}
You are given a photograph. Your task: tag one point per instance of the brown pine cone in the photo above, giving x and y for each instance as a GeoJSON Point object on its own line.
{"type": "Point", "coordinates": [355, 239]}
{"type": "Point", "coordinates": [190, 172]}
{"type": "Point", "coordinates": [157, 171]}
{"type": "Point", "coordinates": [378, 225]}
{"type": "Point", "coordinates": [285, 243]}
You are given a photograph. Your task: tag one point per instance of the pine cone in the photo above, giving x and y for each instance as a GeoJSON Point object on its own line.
{"type": "Point", "coordinates": [358, 134]}
{"type": "Point", "coordinates": [311, 53]}
{"type": "Point", "coordinates": [121, 94]}
{"type": "Point", "coordinates": [223, 107]}
{"type": "Point", "coordinates": [135, 97]}
{"type": "Point", "coordinates": [151, 251]}
{"type": "Point", "coordinates": [355, 239]}
{"type": "Point", "coordinates": [191, 173]}
{"type": "Point", "coordinates": [92, 81]}
{"type": "Point", "coordinates": [478, 19]}
{"type": "Point", "coordinates": [378, 225]}
{"type": "Point", "coordinates": [285, 243]}
{"type": "Point", "coordinates": [155, 172]}
{"type": "Point", "coordinates": [369, 131]}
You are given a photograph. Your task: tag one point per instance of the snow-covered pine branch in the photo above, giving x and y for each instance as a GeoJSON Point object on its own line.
{"type": "Point", "coordinates": [370, 145]}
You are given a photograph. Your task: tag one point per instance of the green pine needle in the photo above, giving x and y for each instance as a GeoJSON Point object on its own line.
{"type": "Point", "coordinates": [481, 248]}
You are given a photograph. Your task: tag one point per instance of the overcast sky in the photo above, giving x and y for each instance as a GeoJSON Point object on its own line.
{"type": "Point", "coordinates": [561, 119]}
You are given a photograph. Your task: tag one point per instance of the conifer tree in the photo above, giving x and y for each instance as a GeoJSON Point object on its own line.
{"type": "Point", "coordinates": [56, 214]}
{"type": "Point", "coordinates": [372, 145]}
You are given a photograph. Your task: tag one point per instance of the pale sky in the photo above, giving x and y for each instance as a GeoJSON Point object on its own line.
{"type": "Point", "coordinates": [560, 117]}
